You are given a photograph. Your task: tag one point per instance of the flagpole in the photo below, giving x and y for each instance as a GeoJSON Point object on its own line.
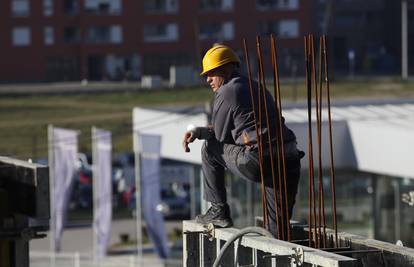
{"type": "Point", "coordinates": [138, 212]}
{"type": "Point", "coordinates": [51, 193]}
{"type": "Point", "coordinates": [193, 207]}
{"type": "Point", "coordinates": [94, 193]}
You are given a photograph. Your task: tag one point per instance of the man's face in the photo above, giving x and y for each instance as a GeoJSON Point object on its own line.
{"type": "Point", "coordinates": [215, 79]}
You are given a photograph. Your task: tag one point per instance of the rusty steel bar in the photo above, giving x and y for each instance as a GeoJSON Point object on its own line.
{"type": "Point", "coordinates": [332, 169]}
{"type": "Point", "coordinates": [249, 75]}
{"type": "Point", "coordinates": [310, 144]}
{"type": "Point", "coordinates": [310, 236]}
{"type": "Point", "coordinates": [319, 120]}
{"type": "Point", "coordinates": [280, 228]}
{"type": "Point", "coordinates": [278, 145]}
{"type": "Point", "coordinates": [259, 137]}
{"type": "Point", "coordinates": [313, 171]}
{"type": "Point", "coordinates": [270, 147]}
{"type": "Point", "coordinates": [282, 152]}
{"type": "Point", "coordinates": [315, 87]}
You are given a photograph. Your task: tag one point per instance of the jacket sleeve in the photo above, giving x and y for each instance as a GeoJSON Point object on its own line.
{"type": "Point", "coordinates": [223, 119]}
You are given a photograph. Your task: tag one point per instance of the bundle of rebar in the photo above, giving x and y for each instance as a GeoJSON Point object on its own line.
{"type": "Point", "coordinates": [314, 86]}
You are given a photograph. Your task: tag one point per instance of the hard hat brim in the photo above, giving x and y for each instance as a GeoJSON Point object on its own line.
{"type": "Point", "coordinates": [217, 65]}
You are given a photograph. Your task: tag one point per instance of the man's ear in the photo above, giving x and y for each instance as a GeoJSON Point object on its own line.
{"type": "Point", "coordinates": [228, 70]}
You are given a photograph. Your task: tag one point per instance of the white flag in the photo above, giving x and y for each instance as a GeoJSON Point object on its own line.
{"type": "Point", "coordinates": [102, 188]}
{"type": "Point", "coordinates": [151, 192]}
{"type": "Point", "coordinates": [64, 148]}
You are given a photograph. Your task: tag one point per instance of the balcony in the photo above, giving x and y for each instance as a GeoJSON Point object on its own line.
{"type": "Point", "coordinates": [160, 33]}
{"type": "Point", "coordinates": [161, 6]}
{"type": "Point", "coordinates": [103, 8]}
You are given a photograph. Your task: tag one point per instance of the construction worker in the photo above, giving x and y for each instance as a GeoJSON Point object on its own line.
{"type": "Point", "coordinates": [231, 140]}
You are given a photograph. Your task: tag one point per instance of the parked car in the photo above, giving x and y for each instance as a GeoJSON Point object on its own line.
{"type": "Point", "coordinates": [175, 203]}
{"type": "Point", "coordinates": [82, 192]}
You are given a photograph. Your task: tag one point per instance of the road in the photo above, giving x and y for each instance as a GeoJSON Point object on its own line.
{"type": "Point", "coordinates": [80, 239]}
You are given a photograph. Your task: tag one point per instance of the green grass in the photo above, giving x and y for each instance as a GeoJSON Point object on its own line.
{"type": "Point", "coordinates": [24, 120]}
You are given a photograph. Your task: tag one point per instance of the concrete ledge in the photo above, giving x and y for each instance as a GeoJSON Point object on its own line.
{"type": "Point", "coordinates": [265, 245]}
{"type": "Point", "coordinates": [392, 255]}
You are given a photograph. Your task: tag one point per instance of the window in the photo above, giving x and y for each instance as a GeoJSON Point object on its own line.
{"type": "Point", "coordinates": [98, 34]}
{"type": "Point", "coordinates": [268, 27]}
{"type": "Point", "coordinates": [216, 5]}
{"type": "Point", "coordinates": [62, 68]}
{"type": "Point", "coordinates": [283, 28]}
{"type": "Point", "coordinates": [289, 28]}
{"type": "Point", "coordinates": [49, 37]}
{"type": "Point", "coordinates": [20, 8]}
{"type": "Point", "coordinates": [103, 7]}
{"type": "Point", "coordinates": [47, 7]}
{"type": "Point", "coordinates": [209, 30]}
{"type": "Point", "coordinates": [122, 67]}
{"type": "Point", "coordinates": [71, 35]}
{"type": "Point", "coordinates": [71, 7]}
{"type": "Point", "coordinates": [21, 36]}
{"type": "Point", "coordinates": [161, 6]}
{"type": "Point", "coordinates": [116, 34]}
{"type": "Point", "coordinates": [161, 32]}
{"type": "Point", "coordinates": [210, 4]}
{"type": "Point", "coordinates": [217, 31]}
{"type": "Point", "coordinates": [277, 4]}
{"type": "Point", "coordinates": [104, 34]}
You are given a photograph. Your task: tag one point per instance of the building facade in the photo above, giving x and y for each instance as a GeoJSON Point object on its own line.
{"type": "Point", "coordinates": [69, 40]}
{"type": "Point", "coordinates": [365, 36]}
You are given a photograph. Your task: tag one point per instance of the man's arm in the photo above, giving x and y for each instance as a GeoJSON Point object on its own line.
{"type": "Point", "coordinates": [202, 133]}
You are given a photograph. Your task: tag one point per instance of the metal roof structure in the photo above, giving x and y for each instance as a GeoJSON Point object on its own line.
{"type": "Point", "coordinates": [171, 126]}
{"type": "Point", "coordinates": [375, 138]}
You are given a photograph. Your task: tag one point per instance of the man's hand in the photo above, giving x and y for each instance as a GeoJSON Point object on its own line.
{"type": "Point", "coordinates": [189, 137]}
{"type": "Point", "coordinates": [408, 198]}
{"type": "Point", "coordinates": [193, 133]}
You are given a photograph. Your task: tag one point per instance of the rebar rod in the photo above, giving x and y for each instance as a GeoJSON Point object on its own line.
{"type": "Point", "coordinates": [310, 236]}
{"type": "Point", "coordinates": [332, 168]}
{"type": "Point", "coordinates": [275, 78]}
{"type": "Point", "coordinates": [282, 150]}
{"type": "Point", "coordinates": [320, 104]}
{"type": "Point", "coordinates": [310, 141]}
{"type": "Point", "coordinates": [249, 75]}
{"type": "Point", "coordinates": [313, 171]}
{"type": "Point", "coordinates": [270, 147]}
{"type": "Point", "coordinates": [278, 142]}
{"type": "Point", "coordinates": [259, 137]}
{"type": "Point", "coordinates": [315, 87]}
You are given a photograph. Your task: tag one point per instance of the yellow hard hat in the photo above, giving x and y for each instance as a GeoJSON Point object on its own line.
{"type": "Point", "coordinates": [217, 56]}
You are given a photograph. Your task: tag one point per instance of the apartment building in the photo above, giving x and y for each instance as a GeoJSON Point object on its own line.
{"type": "Point", "coordinates": [365, 36]}
{"type": "Point", "coordinates": [71, 40]}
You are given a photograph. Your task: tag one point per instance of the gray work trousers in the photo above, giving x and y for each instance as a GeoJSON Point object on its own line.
{"type": "Point", "coordinates": [243, 162]}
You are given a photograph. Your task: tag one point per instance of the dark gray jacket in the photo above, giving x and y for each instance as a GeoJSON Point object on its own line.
{"type": "Point", "coordinates": [233, 117]}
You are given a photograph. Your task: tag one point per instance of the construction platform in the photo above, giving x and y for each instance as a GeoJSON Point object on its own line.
{"type": "Point", "coordinates": [203, 244]}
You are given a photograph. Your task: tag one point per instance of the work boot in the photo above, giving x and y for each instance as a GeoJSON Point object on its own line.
{"type": "Point", "coordinates": [217, 214]}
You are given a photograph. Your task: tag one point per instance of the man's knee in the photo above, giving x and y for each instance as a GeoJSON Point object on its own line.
{"type": "Point", "coordinates": [211, 149]}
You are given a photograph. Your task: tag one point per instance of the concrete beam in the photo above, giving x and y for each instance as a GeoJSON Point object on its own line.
{"type": "Point", "coordinates": [392, 255]}
{"type": "Point", "coordinates": [275, 247]}
{"type": "Point", "coordinates": [29, 183]}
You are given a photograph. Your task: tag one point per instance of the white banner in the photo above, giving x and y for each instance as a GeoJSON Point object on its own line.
{"type": "Point", "coordinates": [63, 146]}
{"type": "Point", "coordinates": [102, 189]}
{"type": "Point", "coordinates": [150, 147]}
